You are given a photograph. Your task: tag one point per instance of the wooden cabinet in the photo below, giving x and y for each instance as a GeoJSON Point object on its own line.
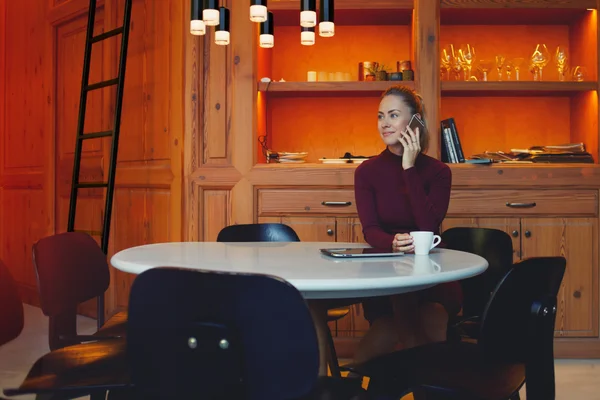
{"type": "Point", "coordinates": [556, 233]}
{"type": "Point", "coordinates": [330, 229]}
{"type": "Point", "coordinates": [235, 117]}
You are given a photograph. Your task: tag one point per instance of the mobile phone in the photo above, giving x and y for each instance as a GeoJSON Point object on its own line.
{"type": "Point", "coordinates": [416, 122]}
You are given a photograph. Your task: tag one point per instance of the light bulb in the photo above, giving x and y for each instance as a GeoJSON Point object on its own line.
{"type": "Point", "coordinates": [258, 13]}
{"type": "Point", "coordinates": [308, 19]}
{"type": "Point", "coordinates": [210, 17]}
{"type": "Point", "coordinates": [307, 38]}
{"type": "Point", "coordinates": [326, 29]}
{"type": "Point", "coordinates": [222, 38]}
{"type": "Point", "coordinates": [197, 27]}
{"type": "Point", "coordinates": [267, 41]}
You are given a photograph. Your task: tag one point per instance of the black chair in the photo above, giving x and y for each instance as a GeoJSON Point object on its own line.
{"type": "Point", "coordinates": [515, 346]}
{"type": "Point", "coordinates": [496, 247]}
{"type": "Point", "coordinates": [274, 232]}
{"type": "Point", "coordinates": [223, 336]}
{"type": "Point", "coordinates": [11, 308]}
{"type": "Point", "coordinates": [71, 269]}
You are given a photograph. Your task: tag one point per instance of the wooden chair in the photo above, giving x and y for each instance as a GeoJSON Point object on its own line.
{"type": "Point", "coordinates": [71, 268]}
{"type": "Point", "coordinates": [496, 247]}
{"type": "Point", "coordinates": [274, 232]}
{"type": "Point", "coordinates": [515, 346]}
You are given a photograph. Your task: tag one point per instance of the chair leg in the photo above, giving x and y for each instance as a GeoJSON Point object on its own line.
{"type": "Point", "coordinates": [334, 366]}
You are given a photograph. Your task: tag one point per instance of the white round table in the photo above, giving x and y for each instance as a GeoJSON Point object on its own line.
{"type": "Point", "coordinates": [315, 275]}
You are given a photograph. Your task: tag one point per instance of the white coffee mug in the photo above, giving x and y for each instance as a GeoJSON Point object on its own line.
{"type": "Point", "coordinates": [424, 241]}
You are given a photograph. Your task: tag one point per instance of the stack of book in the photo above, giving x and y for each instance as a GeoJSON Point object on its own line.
{"type": "Point", "coordinates": [451, 149]}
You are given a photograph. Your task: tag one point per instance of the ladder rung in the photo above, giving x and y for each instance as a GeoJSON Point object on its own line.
{"type": "Point", "coordinates": [102, 84]}
{"type": "Point", "coordinates": [95, 135]}
{"type": "Point", "coordinates": [91, 233]}
{"type": "Point", "coordinates": [87, 185]}
{"type": "Point", "coordinates": [107, 35]}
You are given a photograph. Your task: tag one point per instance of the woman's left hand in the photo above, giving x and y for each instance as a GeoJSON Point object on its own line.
{"type": "Point", "coordinates": [412, 147]}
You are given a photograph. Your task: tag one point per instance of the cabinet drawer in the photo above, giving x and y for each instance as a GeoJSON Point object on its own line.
{"type": "Point", "coordinates": [302, 201]}
{"type": "Point", "coordinates": [523, 202]}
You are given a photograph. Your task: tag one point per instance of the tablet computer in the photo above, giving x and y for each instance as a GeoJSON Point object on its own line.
{"type": "Point", "coordinates": [360, 252]}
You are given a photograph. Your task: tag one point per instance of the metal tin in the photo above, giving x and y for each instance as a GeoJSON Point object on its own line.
{"type": "Point", "coordinates": [405, 65]}
{"type": "Point", "coordinates": [364, 70]}
{"type": "Point", "coordinates": [395, 76]}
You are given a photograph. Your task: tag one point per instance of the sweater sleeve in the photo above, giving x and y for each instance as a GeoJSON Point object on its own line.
{"type": "Point", "coordinates": [367, 211]}
{"type": "Point", "coordinates": [429, 210]}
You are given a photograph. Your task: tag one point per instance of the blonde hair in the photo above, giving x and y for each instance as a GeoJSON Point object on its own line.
{"type": "Point", "coordinates": [414, 101]}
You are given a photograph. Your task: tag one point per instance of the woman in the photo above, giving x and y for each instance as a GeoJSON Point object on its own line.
{"type": "Point", "coordinates": [399, 191]}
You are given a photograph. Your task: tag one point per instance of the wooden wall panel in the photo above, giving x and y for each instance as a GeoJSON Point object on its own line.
{"type": "Point", "coordinates": [23, 222]}
{"type": "Point", "coordinates": [24, 127]}
{"type": "Point", "coordinates": [41, 60]}
{"type": "Point", "coordinates": [146, 106]}
{"type": "Point", "coordinates": [25, 93]}
{"type": "Point", "coordinates": [139, 217]}
{"type": "Point", "coordinates": [216, 209]}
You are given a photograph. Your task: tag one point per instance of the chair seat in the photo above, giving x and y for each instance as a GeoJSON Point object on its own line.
{"type": "Point", "coordinates": [114, 326]}
{"type": "Point", "coordinates": [78, 369]}
{"type": "Point", "coordinates": [456, 368]}
{"type": "Point", "coordinates": [337, 313]}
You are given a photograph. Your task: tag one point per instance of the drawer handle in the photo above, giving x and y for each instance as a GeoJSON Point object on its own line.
{"type": "Point", "coordinates": [337, 203]}
{"type": "Point", "coordinates": [520, 205]}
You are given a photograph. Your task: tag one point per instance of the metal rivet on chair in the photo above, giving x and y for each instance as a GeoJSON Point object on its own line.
{"type": "Point", "coordinates": [554, 309]}
{"type": "Point", "coordinates": [192, 343]}
{"type": "Point", "coordinates": [224, 344]}
{"type": "Point", "coordinates": [545, 311]}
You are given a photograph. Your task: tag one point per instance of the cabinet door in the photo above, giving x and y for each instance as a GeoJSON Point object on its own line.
{"type": "Point", "coordinates": [575, 239]}
{"type": "Point", "coordinates": [350, 230]}
{"type": "Point", "coordinates": [512, 226]}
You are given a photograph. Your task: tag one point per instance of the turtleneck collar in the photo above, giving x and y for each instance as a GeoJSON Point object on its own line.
{"type": "Point", "coordinates": [388, 154]}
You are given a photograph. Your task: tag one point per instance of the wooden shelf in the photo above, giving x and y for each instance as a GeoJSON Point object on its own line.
{"type": "Point", "coordinates": [349, 4]}
{"type": "Point", "coordinates": [511, 16]}
{"type": "Point", "coordinates": [330, 89]}
{"type": "Point", "coordinates": [345, 17]}
{"type": "Point", "coordinates": [515, 88]}
{"type": "Point", "coordinates": [517, 4]}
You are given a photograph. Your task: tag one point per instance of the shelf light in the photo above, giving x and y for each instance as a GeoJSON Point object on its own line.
{"type": "Point", "coordinates": [326, 24]}
{"type": "Point", "coordinates": [258, 10]}
{"type": "Point", "coordinates": [308, 13]}
{"type": "Point", "coordinates": [197, 26]}
{"type": "Point", "coordinates": [222, 35]}
{"type": "Point", "coordinates": [307, 36]}
{"type": "Point", "coordinates": [210, 14]}
{"type": "Point", "coordinates": [267, 38]}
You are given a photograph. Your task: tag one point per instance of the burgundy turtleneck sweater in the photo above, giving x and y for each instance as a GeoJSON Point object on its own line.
{"type": "Point", "coordinates": [392, 200]}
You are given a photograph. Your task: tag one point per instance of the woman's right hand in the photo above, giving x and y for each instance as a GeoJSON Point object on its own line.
{"type": "Point", "coordinates": [403, 242]}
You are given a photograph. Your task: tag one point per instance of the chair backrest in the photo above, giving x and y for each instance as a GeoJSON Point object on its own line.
{"type": "Point", "coordinates": [492, 244]}
{"type": "Point", "coordinates": [11, 307]}
{"type": "Point", "coordinates": [270, 232]}
{"type": "Point", "coordinates": [199, 334]}
{"type": "Point", "coordinates": [510, 326]}
{"type": "Point", "coordinates": [71, 269]}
